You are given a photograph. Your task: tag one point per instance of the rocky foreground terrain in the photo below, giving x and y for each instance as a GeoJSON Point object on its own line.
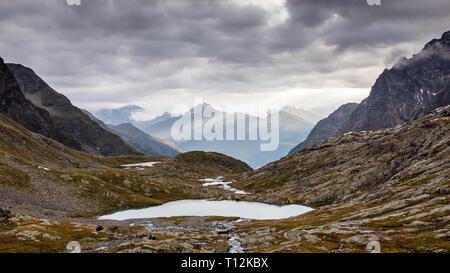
{"type": "Point", "coordinates": [380, 191]}
{"type": "Point", "coordinates": [388, 189]}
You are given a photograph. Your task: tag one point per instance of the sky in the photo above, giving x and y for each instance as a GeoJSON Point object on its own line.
{"type": "Point", "coordinates": [312, 54]}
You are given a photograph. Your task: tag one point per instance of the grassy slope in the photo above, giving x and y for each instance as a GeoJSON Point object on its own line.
{"type": "Point", "coordinates": [40, 174]}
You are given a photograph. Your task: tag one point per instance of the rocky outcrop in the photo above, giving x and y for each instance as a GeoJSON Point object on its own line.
{"type": "Point", "coordinates": [78, 130]}
{"type": "Point", "coordinates": [363, 165]}
{"type": "Point", "coordinates": [413, 87]}
{"type": "Point", "coordinates": [327, 127]}
{"type": "Point", "coordinates": [143, 142]}
{"type": "Point", "coordinates": [379, 191]}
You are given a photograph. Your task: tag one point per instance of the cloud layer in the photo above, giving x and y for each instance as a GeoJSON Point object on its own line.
{"type": "Point", "coordinates": [158, 53]}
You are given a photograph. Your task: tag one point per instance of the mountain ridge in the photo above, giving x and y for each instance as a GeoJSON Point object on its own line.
{"type": "Point", "coordinates": [411, 88]}
{"type": "Point", "coordinates": [143, 142]}
{"type": "Point", "coordinates": [406, 91]}
{"type": "Point", "coordinates": [85, 134]}
{"type": "Point", "coordinates": [327, 127]}
{"type": "Point", "coordinates": [292, 130]}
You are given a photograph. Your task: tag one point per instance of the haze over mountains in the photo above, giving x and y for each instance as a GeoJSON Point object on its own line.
{"type": "Point", "coordinates": [411, 88]}
{"type": "Point", "coordinates": [295, 124]}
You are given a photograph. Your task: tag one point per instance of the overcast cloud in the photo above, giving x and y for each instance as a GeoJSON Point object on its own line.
{"type": "Point", "coordinates": [314, 54]}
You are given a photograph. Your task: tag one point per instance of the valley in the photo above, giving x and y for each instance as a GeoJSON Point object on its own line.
{"type": "Point", "coordinates": [371, 177]}
{"type": "Point", "coordinates": [399, 209]}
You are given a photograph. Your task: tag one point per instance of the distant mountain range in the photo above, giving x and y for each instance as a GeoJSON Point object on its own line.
{"type": "Point", "coordinates": [410, 89]}
{"type": "Point", "coordinates": [141, 141]}
{"type": "Point", "coordinates": [309, 116]}
{"type": "Point", "coordinates": [117, 116]}
{"type": "Point", "coordinates": [293, 128]}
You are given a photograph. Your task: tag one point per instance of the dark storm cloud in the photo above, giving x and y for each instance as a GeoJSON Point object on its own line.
{"type": "Point", "coordinates": [354, 23]}
{"type": "Point", "coordinates": [105, 48]}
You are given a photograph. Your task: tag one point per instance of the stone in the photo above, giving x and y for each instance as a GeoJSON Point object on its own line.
{"type": "Point", "coordinates": [293, 236]}
{"type": "Point", "coordinates": [28, 235]}
{"type": "Point", "coordinates": [418, 223]}
{"type": "Point", "coordinates": [313, 239]}
{"type": "Point", "coordinates": [322, 248]}
{"type": "Point", "coordinates": [50, 237]}
{"type": "Point", "coordinates": [361, 239]}
{"type": "Point", "coordinates": [442, 236]}
{"type": "Point", "coordinates": [98, 228]}
{"type": "Point", "coordinates": [4, 214]}
{"type": "Point", "coordinates": [112, 229]}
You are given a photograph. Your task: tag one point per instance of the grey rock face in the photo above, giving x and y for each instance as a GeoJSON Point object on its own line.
{"type": "Point", "coordinates": [16, 106]}
{"type": "Point", "coordinates": [60, 120]}
{"type": "Point", "coordinates": [413, 87]}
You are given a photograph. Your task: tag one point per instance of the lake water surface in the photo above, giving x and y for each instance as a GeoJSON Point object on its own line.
{"type": "Point", "coordinates": [242, 209]}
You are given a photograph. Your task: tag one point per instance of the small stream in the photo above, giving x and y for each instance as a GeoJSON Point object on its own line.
{"type": "Point", "coordinates": [235, 244]}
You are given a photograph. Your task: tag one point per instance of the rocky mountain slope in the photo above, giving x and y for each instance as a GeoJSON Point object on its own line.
{"type": "Point", "coordinates": [389, 187]}
{"type": "Point", "coordinates": [327, 127]}
{"type": "Point", "coordinates": [412, 87]}
{"type": "Point", "coordinates": [16, 106]}
{"type": "Point", "coordinates": [84, 134]}
{"type": "Point", "coordinates": [143, 142]}
{"type": "Point", "coordinates": [356, 165]}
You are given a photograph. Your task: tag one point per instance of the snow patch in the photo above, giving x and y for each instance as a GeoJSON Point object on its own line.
{"type": "Point", "coordinates": [218, 181]}
{"type": "Point", "coordinates": [144, 164]}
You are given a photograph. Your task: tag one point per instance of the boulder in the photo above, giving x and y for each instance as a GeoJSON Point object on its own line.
{"type": "Point", "coordinates": [4, 214]}
{"type": "Point", "coordinates": [313, 239]}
